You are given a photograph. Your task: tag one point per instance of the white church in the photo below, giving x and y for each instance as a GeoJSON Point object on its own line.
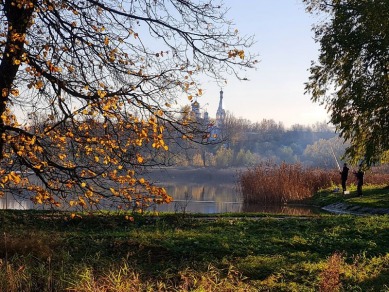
{"type": "Point", "coordinates": [214, 128]}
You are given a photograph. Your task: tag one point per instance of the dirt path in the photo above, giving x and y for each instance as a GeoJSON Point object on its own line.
{"type": "Point", "coordinates": [343, 208]}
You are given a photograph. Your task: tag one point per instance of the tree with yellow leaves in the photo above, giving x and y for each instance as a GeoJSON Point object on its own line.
{"type": "Point", "coordinates": [87, 89]}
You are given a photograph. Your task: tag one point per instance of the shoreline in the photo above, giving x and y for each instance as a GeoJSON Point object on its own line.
{"type": "Point", "coordinates": [218, 176]}
{"type": "Point", "coordinates": [344, 208]}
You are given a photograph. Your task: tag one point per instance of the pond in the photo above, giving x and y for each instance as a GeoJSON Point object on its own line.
{"type": "Point", "coordinates": [196, 198]}
{"type": "Point", "coordinates": [224, 198]}
{"type": "Point", "coordinates": [213, 190]}
{"type": "Point", "coordinates": [206, 190]}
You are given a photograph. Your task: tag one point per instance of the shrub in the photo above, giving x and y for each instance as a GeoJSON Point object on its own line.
{"type": "Point", "coordinates": [330, 276]}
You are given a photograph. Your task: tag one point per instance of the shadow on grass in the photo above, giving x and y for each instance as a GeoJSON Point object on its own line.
{"type": "Point", "coordinates": [290, 249]}
{"type": "Point", "coordinates": [373, 196]}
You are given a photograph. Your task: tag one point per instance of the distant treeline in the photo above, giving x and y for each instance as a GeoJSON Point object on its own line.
{"type": "Point", "coordinates": [243, 143]}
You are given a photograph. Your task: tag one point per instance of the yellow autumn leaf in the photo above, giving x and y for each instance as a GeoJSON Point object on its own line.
{"type": "Point", "coordinates": [81, 201]}
{"type": "Point", "coordinates": [14, 177]}
{"type": "Point", "coordinates": [106, 41]}
{"type": "Point", "coordinates": [15, 92]}
{"type": "Point", "coordinates": [101, 93]}
{"type": "Point", "coordinates": [33, 140]}
{"type": "Point", "coordinates": [62, 156]}
{"type": "Point", "coordinates": [114, 192]}
{"type": "Point", "coordinates": [39, 84]}
{"type": "Point", "coordinates": [38, 166]}
{"type": "Point", "coordinates": [4, 92]}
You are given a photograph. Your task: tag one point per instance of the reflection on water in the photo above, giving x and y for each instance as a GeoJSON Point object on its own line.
{"type": "Point", "coordinates": [209, 199]}
{"type": "Point", "coordinates": [202, 198]}
{"type": "Point", "coordinates": [195, 198]}
{"type": "Point", "coordinates": [9, 202]}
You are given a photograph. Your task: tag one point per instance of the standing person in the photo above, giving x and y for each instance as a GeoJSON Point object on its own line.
{"type": "Point", "coordinates": [344, 176]}
{"type": "Point", "coordinates": [359, 175]}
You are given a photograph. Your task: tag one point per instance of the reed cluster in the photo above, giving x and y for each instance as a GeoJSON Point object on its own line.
{"type": "Point", "coordinates": [280, 183]}
{"type": "Point", "coordinates": [374, 177]}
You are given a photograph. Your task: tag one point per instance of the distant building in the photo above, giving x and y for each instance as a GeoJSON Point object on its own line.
{"type": "Point", "coordinates": [214, 128]}
{"type": "Point", "coordinates": [196, 110]}
{"type": "Point", "coordinates": [220, 113]}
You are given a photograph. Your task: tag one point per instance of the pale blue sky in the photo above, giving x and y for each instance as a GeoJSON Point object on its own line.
{"type": "Point", "coordinates": [286, 47]}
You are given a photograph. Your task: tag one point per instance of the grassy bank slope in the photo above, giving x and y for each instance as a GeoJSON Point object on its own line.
{"type": "Point", "coordinates": [47, 252]}
{"type": "Point", "coordinates": [374, 196]}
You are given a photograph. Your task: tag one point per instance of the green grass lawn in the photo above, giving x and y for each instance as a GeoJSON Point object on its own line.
{"type": "Point", "coordinates": [373, 196]}
{"type": "Point", "coordinates": [42, 251]}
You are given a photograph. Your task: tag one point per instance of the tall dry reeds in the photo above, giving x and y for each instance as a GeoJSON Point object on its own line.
{"type": "Point", "coordinates": [375, 178]}
{"type": "Point", "coordinates": [271, 183]}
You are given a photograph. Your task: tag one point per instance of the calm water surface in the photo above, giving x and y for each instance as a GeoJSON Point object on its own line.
{"type": "Point", "coordinates": [212, 199]}
{"type": "Point", "coordinates": [196, 198]}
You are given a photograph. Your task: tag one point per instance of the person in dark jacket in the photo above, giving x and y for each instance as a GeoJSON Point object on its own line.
{"type": "Point", "coordinates": [344, 176]}
{"type": "Point", "coordinates": [359, 175]}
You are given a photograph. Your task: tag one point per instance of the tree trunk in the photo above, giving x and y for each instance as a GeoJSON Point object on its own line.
{"type": "Point", "coordinates": [18, 15]}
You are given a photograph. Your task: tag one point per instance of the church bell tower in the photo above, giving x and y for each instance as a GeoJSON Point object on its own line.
{"type": "Point", "coordinates": [220, 113]}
